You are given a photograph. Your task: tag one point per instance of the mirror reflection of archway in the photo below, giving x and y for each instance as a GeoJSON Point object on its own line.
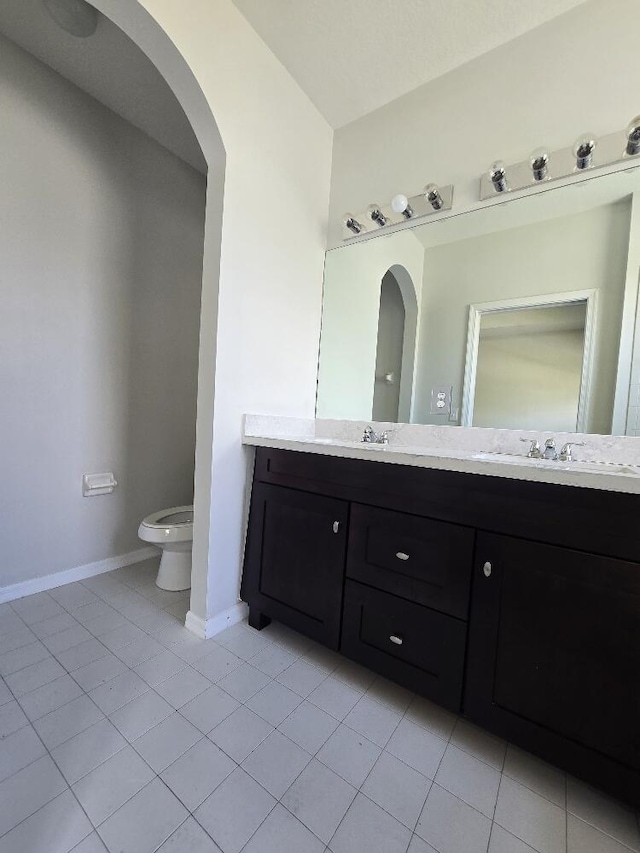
{"type": "Point", "coordinates": [395, 350]}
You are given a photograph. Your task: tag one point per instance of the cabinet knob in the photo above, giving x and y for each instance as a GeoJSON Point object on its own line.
{"type": "Point", "coordinates": [336, 526]}
{"type": "Point", "coordinates": [402, 556]}
{"type": "Point", "coordinates": [487, 568]}
{"type": "Point", "coordinates": [396, 639]}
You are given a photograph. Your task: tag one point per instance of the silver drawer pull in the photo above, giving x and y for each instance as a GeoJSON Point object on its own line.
{"type": "Point", "coordinates": [487, 568]}
{"type": "Point", "coordinates": [336, 526]}
{"type": "Point", "coordinates": [402, 556]}
{"type": "Point", "coordinates": [395, 639]}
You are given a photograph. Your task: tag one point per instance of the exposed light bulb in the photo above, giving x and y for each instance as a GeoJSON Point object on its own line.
{"type": "Point", "coordinates": [539, 161]}
{"type": "Point", "coordinates": [377, 215]}
{"type": "Point", "coordinates": [498, 176]}
{"type": "Point", "coordinates": [349, 221]}
{"type": "Point", "coordinates": [400, 204]}
{"type": "Point", "coordinates": [432, 194]}
{"type": "Point", "coordinates": [583, 149]}
{"type": "Point", "coordinates": [633, 137]}
{"type": "Point", "coordinates": [77, 17]}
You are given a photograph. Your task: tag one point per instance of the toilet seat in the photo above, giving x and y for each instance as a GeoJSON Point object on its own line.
{"type": "Point", "coordinates": [168, 525]}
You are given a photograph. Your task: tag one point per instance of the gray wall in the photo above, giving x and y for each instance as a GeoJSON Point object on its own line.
{"type": "Point", "coordinates": [101, 234]}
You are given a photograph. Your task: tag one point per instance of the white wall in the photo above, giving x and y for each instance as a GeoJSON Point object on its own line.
{"type": "Point", "coordinates": [101, 235]}
{"type": "Point", "coordinates": [580, 252]}
{"type": "Point", "coordinates": [269, 157]}
{"type": "Point", "coordinates": [544, 88]}
{"type": "Point", "coordinates": [353, 277]}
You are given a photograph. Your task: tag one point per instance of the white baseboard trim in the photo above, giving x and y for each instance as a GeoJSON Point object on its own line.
{"type": "Point", "coordinates": [79, 573]}
{"type": "Point", "coordinates": [207, 628]}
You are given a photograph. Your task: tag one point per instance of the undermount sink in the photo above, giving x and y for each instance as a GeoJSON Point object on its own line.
{"type": "Point", "coordinates": [576, 465]}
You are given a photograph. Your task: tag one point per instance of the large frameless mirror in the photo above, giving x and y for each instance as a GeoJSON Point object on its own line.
{"type": "Point", "coordinates": [521, 315]}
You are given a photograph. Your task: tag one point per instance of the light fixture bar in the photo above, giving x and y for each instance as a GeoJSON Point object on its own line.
{"type": "Point", "coordinates": [396, 212]}
{"type": "Point", "coordinates": [586, 155]}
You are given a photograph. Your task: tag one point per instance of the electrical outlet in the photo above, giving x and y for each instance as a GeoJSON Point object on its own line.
{"type": "Point", "coordinates": [441, 400]}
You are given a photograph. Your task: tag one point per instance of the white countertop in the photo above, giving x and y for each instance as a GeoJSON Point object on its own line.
{"type": "Point", "coordinates": [328, 438]}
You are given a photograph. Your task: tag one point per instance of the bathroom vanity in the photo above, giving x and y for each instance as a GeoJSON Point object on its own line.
{"type": "Point", "coordinates": [515, 603]}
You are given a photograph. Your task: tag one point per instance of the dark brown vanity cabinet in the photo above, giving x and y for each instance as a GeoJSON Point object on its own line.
{"type": "Point", "coordinates": [554, 655]}
{"type": "Point", "coordinates": [296, 550]}
{"type": "Point", "coordinates": [514, 603]}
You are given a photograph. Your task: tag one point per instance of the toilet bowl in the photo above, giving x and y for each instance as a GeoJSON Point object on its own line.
{"type": "Point", "coordinates": [172, 531]}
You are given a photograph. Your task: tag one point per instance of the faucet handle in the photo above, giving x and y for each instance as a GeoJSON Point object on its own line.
{"type": "Point", "coordinates": [534, 450]}
{"type": "Point", "coordinates": [566, 453]}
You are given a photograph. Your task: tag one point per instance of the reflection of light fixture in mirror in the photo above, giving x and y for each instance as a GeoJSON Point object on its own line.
{"type": "Point", "coordinates": [400, 204]}
{"type": "Point", "coordinates": [77, 17]}
{"type": "Point", "coordinates": [633, 137]}
{"type": "Point", "coordinates": [351, 223]}
{"type": "Point", "coordinates": [432, 195]}
{"type": "Point", "coordinates": [539, 162]}
{"type": "Point", "coordinates": [377, 215]}
{"type": "Point", "coordinates": [498, 176]}
{"type": "Point", "coordinates": [583, 151]}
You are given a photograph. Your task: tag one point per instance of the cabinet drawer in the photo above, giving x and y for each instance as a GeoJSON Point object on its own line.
{"type": "Point", "coordinates": [426, 561]}
{"type": "Point", "coordinates": [410, 644]}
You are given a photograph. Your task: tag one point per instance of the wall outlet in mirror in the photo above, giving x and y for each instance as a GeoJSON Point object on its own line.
{"type": "Point", "coordinates": [441, 399]}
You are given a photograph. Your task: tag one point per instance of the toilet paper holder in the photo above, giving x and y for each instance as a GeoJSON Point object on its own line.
{"type": "Point", "coordinates": [98, 484]}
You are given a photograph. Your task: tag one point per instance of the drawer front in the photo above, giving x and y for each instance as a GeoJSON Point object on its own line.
{"type": "Point", "coordinates": [429, 562]}
{"type": "Point", "coordinates": [412, 645]}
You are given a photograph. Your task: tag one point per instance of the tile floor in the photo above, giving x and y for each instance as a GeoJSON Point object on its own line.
{"type": "Point", "coordinates": [122, 732]}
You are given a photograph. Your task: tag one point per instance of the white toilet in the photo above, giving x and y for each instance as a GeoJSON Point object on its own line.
{"type": "Point", "coordinates": [172, 531]}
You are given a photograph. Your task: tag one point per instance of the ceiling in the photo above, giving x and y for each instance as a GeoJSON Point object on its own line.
{"type": "Point", "coordinates": [354, 56]}
{"type": "Point", "coordinates": [111, 68]}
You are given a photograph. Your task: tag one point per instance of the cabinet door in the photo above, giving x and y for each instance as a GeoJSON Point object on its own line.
{"type": "Point", "coordinates": [294, 570]}
{"type": "Point", "coordinates": [554, 656]}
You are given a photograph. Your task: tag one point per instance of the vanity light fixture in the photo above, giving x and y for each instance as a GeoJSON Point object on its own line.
{"type": "Point", "coordinates": [583, 149]}
{"type": "Point", "coordinates": [432, 195]}
{"type": "Point", "coordinates": [539, 161]}
{"type": "Point", "coordinates": [400, 204]}
{"type": "Point", "coordinates": [377, 215]}
{"type": "Point", "coordinates": [633, 137]}
{"type": "Point", "coordinates": [498, 176]}
{"type": "Point", "coordinates": [351, 223]}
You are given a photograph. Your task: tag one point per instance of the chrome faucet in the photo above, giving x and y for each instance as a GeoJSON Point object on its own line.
{"type": "Point", "coordinates": [369, 436]}
{"type": "Point", "coordinates": [550, 451]}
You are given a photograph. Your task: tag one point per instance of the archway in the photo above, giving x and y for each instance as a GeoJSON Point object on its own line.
{"type": "Point", "coordinates": [149, 36]}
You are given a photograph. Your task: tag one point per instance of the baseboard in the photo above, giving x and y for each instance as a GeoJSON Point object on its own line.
{"type": "Point", "coordinates": [79, 573]}
{"type": "Point", "coordinates": [207, 628]}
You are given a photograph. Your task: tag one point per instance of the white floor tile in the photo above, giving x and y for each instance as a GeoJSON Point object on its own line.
{"type": "Point", "coordinates": [54, 625]}
{"type": "Point", "coordinates": [12, 718]}
{"type": "Point", "coordinates": [122, 636]}
{"type": "Point", "coordinates": [189, 837]}
{"type": "Point", "coordinates": [82, 654]}
{"type": "Point", "coordinates": [419, 846]}
{"type": "Point", "coordinates": [118, 692]}
{"type": "Point", "coordinates": [58, 726]}
{"type": "Point", "coordinates": [319, 798]}
{"type": "Point", "coordinates": [141, 714]}
{"type": "Point", "coordinates": [431, 716]}
{"type": "Point", "coordinates": [167, 741]}
{"type": "Point", "coordinates": [82, 753]}
{"type": "Point", "coordinates": [452, 826]}
{"type": "Point", "coordinates": [159, 668]}
{"type": "Point", "coordinates": [57, 827]}
{"type": "Point", "coordinates": [72, 596]}
{"type": "Point", "coordinates": [98, 672]}
{"type": "Point", "coordinates": [217, 663]}
{"type": "Point", "coordinates": [182, 687]}
{"type": "Point", "coordinates": [392, 695]}
{"type": "Point", "coordinates": [91, 844]}
{"type": "Point", "coordinates": [66, 640]}
{"type": "Point", "coordinates": [19, 749]}
{"type": "Point", "coordinates": [302, 678]}
{"type": "Point", "coordinates": [584, 838]}
{"type": "Point", "coordinates": [603, 812]}
{"type": "Point", "coordinates": [234, 811]}
{"type": "Point", "coordinates": [22, 657]}
{"type": "Point", "coordinates": [28, 790]}
{"type": "Point", "coordinates": [367, 827]}
{"type": "Point", "coordinates": [240, 733]}
{"type": "Point", "coordinates": [350, 755]}
{"type": "Point", "coordinates": [504, 842]}
{"type": "Point", "coordinates": [144, 822]}
{"type": "Point", "coordinates": [197, 773]}
{"type": "Point", "coordinates": [309, 727]}
{"type": "Point", "coordinates": [479, 743]}
{"type": "Point", "coordinates": [276, 763]}
{"type": "Point", "coordinates": [355, 675]}
{"type": "Point", "coordinates": [109, 786]}
{"type": "Point", "coordinates": [373, 720]}
{"type": "Point", "coordinates": [244, 682]}
{"type": "Point", "coordinates": [281, 831]}
{"type": "Point", "coordinates": [274, 703]}
{"type": "Point", "coordinates": [139, 650]}
{"type": "Point", "coordinates": [397, 788]}
{"type": "Point", "coordinates": [417, 747]}
{"type": "Point", "coordinates": [469, 779]}
{"type": "Point", "coordinates": [209, 709]}
{"type": "Point", "coordinates": [272, 660]}
{"type": "Point", "coordinates": [50, 696]}
{"type": "Point", "coordinates": [243, 641]}
{"type": "Point", "coordinates": [531, 818]}
{"type": "Point", "coordinates": [335, 697]}
{"type": "Point", "coordinates": [536, 774]}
